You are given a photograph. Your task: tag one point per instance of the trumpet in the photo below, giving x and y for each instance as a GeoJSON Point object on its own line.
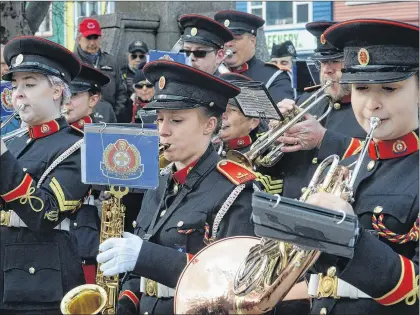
{"type": "Point", "coordinates": [241, 275]}
{"type": "Point", "coordinates": [265, 143]}
{"type": "Point", "coordinates": [162, 161]}
{"type": "Point", "coordinates": [222, 67]}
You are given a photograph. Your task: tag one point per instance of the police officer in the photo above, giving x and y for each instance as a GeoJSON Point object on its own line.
{"type": "Point", "coordinates": [175, 219]}
{"type": "Point", "coordinates": [203, 41]}
{"type": "Point", "coordinates": [39, 188]}
{"type": "Point", "coordinates": [89, 51]}
{"type": "Point", "coordinates": [381, 61]}
{"type": "Point", "coordinates": [244, 27]}
{"type": "Point", "coordinates": [283, 54]}
{"type": "Point", "coordinates": [309, 142]}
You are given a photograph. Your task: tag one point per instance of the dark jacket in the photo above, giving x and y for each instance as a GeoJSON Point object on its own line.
{"type": "Point", "coordinates": [114, 92]}
{"type": "Point", "coordinates": [280, 88]}
{"type": "Point", "coordinates": [164, 256]}
{"type": "Point", "coordinates": [376, 267]}
{"type": "Point", "coordinates": [103, 112]}
{"type": "Point", "coordinates": [52, 254]}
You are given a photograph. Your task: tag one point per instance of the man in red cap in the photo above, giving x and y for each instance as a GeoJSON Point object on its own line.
{"type": "Point", "coordinates": [89, 51]}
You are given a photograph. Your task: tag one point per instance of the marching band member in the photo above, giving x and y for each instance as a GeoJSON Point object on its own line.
{"type": "Point", "coordinates": [199, 198]}
{"type": "Point", "coordinates": [244, 27]}
{"type": "Point", "coordinates": [381, 62]}
{"type": "Point", "coordinates": [40, 185]}
{"type": "Point", "coordinates": [203, 41]}
{"type": "Point", "coordinates": [309, 142]}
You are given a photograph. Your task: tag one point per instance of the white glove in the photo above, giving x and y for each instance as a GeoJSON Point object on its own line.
{"type": "Point", "coordinates": [119, 255]}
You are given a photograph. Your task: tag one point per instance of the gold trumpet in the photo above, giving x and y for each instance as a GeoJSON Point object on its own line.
{"type": "Point", "coordinates": [264, 152]}
{"type": "Point", "coordinates": [162, 161]}
{"type": "Point", "coordinates": [241, 275]}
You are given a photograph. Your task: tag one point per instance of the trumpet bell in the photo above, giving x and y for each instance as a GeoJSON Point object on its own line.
{"type": "Point", "coordinates": [240, 158]}
{"type": "Point", "coordinates": [86, 299]}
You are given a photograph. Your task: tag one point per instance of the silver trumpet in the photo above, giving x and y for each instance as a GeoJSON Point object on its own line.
{"type": "Point", "coordinates": [15, 113]}
{"type": "Point", "coordinates": [222, 67]}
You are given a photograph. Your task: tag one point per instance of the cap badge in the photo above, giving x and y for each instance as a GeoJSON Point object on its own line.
{"type": "Point", "coordinates": [45, 128]}
{"type": "Point", "coordinates": [18, 60]}
{"type": "Point", "coordinates": [227, 23]}
{"type": "Point", "coordinates": [162, 82]}
{"type": "Point", "coordinates": [322, 39]}
{"type": "Point", "coordinates": [193, 31]}
{"type": "Point", "coordinates": [291, 50]}
{"type": "Point", "coordinates": [399, 146]}
{"type": "Point", "coordinates": [138, 43]}
{"type": "Point", "coordinates": [363, 56]}
{"type": "Point", "coordinates": [90, 25]}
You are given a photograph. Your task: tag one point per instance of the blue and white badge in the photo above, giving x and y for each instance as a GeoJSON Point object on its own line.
{"type": "Point", "coordinates": [121, 155]}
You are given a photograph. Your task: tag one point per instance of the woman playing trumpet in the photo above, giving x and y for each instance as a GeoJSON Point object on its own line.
{"type": "Point", "coordinates": [381, 62]}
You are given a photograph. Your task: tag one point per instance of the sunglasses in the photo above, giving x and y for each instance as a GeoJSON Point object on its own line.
{"type": "Point", "coordinates": [197, 53]}
{"type": "Point", "coordinates": [94, 37]}
{"type": "Point", "coordinates": [140, 86]}
{"type": "Point", "coordinates": [135, 56]}
{"type": "Point", "coordinates": [327, 62]}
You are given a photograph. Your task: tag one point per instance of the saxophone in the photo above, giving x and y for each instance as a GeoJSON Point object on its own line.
{"type": "Point", "coordinates": [247, 275]}
{"type": "Point", "coordinates": [100, 297]}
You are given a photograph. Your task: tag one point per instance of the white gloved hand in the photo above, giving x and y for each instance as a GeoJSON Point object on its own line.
{"type": "Point", "coordinates": [119, 255]}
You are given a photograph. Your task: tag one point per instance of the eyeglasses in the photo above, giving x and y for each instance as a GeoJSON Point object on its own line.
{"type": "Point", "coordinates": [135, 56]}
{"type": "Point", "coordinates": [140, 86]}
{"type": "Point", "coordinates": [330, 62]}
{"type": "Point", "coordinates": [197, 53]}
{"type": "Point", "coordinates": [92, 37]}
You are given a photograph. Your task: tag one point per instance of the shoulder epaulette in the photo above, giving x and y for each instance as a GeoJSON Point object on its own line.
{"type": "Point", "coordinates": [311, 88]}
{"type": "Point", "coordinates": [235, 172]}
{"type": "Point", "coordinates": [78, 131]}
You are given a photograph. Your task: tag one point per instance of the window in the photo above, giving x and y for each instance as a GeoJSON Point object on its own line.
{"type": "Point", "coordinates": [46, 27]}
{"type": "Point", "coordinates": [281, 13]}
{"type": "Point", "coordinates": [90, 8]}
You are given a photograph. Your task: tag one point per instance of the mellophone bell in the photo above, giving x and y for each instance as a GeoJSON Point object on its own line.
{"type": "Point", "coordinates": [361, 213]}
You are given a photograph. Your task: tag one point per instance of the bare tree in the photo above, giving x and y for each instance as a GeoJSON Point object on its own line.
{"type": "Point", "coordinates": [21, 18]}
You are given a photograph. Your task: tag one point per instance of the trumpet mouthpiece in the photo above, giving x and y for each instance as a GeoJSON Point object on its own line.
{"type": "Point", "coordinates": [228, 53]}
{"type": "Point", "coordinates": [374, 122]}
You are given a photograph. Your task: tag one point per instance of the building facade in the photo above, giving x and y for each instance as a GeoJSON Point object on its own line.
{"type": "Point", "coordinates": [285, 20]}
{"type": "Point", "coordinates": [404, 11]}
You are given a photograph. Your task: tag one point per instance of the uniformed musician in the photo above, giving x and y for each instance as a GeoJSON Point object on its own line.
{"type": "Point", "coordinates": [282, 55]}
{"type": "Point", "coordinates": [309, 142]}
{"type": "Point", "coordinates": [40, 182]}
{"type": "Point", "coordinates": [244, 27]}
{"type": "Point", "coordinates": [199, 198]}
{"type": "Point", "coordinates": [381, 62]}
{"type": "Point", "coordinates": [203, 41]}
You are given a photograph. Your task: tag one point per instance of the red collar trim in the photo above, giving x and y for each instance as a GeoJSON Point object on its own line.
{"type": "Point", "coordinates": [80, 124]}
{"type": "Point", "coordinates": [43, 130]}
{"type": "Point", "coordinates": [181, 175]}
{"type": "Point", "coordinates": [240, 142]}
{"type": "Point", "coordinates": [396, 148]}
{"type": "Point", "coordinates": [241, 68]}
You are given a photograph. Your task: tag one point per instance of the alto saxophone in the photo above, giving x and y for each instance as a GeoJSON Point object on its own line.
{"type": "Point", "coordinates": [244, 275]}
{"type": "Point", "coordinates": [100, 297]}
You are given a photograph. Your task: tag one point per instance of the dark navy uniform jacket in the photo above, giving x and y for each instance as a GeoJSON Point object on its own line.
{"type": "Point", "coordinates": [197, 202]}
{"type": "Point", "coordinates": [297, 168]}
{"type": "Point", "coordinates": [281, 86]}
{"type": "Point", "coordinates": [387, 187]}
{"type": "Point", "coordinates": [39, 264]}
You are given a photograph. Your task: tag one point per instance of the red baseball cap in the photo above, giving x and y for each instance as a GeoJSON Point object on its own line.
{"type": "Point", "coordinates": [90, 27]}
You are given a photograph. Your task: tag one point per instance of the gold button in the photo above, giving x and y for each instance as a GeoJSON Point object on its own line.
{"type": "Point", "coordinates": [75, 223]}
{"type": "Point", "coordinates": [323, 311]}
{"type": "Point", "coordinates": [332, 271]}
{"type": "Point", "coordinates": [337, 106]}
{"type": "Point", "coordinates": [314, 160]}
{"type": "Point", "coordinates": [371, 165]}
{"type": "Point", "coordinates": [32, 270]}
{"type": "Point", "coordinates": [134, 224]}
{"type": "Point", "coordinates": [378, 209]}
{"type": "Point", "coordinates": [180, 223]}
{"type": "Point", "coordinates": [163, 213]}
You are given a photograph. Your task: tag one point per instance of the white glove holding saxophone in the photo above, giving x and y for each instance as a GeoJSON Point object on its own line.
{"type": "Point", "coordinates": [119, 255]}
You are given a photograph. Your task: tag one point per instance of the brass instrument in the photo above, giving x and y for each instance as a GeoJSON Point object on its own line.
{"type": "Point", "coordinates": [239, 275]}
{"type": "Point", "coordinates": [14, 134]}
{"type": "Point", "coordinates": [162, 161]}
{"type": "Point", "coordinates": [102, 296]}
{"type": "Point", "coordinates": [222, 67]}
{"type": "Point", "coordinates": [264, 151]}
{"type": "Point", "coordinates": [15, 113]}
